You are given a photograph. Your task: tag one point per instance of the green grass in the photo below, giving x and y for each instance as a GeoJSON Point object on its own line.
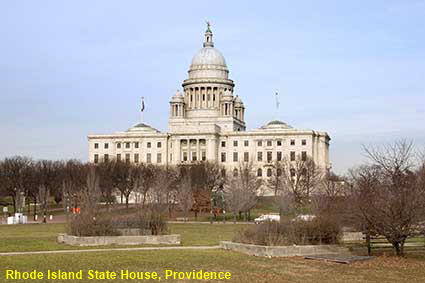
{"type": "Point", "coordinates": [243, 268]}
{"type": "Point", "coordinates": [40, 237]}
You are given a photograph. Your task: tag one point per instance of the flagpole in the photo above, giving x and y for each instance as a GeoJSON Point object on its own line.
{"type": "Point", "coordinates": [142, 108]}
{"type": "Point", "coordinates": [277, 105]}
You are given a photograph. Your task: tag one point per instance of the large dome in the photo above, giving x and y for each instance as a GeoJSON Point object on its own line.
{"type": "Point", "coordinates": [208, 62]}
{"type": "Point", "coordinates": [208, 56]}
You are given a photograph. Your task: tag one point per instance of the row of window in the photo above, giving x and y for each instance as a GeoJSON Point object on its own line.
{"type": "Point", "coordinates": [269, 155]}
{"type": "Point", "coordinates": [268, 143]}
{"type": "Point", "coordinates": [269, 172]}
{"type": "Point", "coordinates": [127, 158]}
{"type": "Point", "coordinates": [223, 144]}
{"type": "Point", "coordinates": [127, 145]}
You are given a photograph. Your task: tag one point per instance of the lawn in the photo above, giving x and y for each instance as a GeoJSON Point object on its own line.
{"type": "Point", "coordinates": [41, 237]}
{"type": "Point", "coordinates": [242, 268]}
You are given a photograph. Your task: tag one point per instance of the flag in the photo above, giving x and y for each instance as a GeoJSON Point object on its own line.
{"type": "Point", "coordinates": [143, 104]}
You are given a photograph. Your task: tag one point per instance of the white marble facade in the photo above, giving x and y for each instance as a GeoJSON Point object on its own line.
{"type": "Point", "coordinates": [207, 122]}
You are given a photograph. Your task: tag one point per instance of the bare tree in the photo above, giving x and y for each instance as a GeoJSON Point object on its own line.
{"type": "Point", "coordinates": [124, 177]}
{"type": "Point", "coordinates": [184, 192]}
{"type": "Point", "coordinates": [388, 194]}
{"type": "Point", "coordinates": [242, 189]}
{"type": "Point", "coordinates": [13, 177]}
{"type": "Point", "coordinates": [300, 178]}
{"type": "Point", "coordinates": [145, 181]}
{"type": "Point", "coordinates": [49, 181]}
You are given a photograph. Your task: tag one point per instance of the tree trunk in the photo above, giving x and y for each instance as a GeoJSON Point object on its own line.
{"type": "Point", "coordinates": [29, 206]}
{"type": "Point", "coordinates": [126, 200]}
{"type": "Point", "coordinates": [234, 217]}
{"type": "Point", "coordinates": [14, 204]}
{"type": "Point", "coordinates": [397, 248]}
{"type": "Point", "coordinates": [35, 207]}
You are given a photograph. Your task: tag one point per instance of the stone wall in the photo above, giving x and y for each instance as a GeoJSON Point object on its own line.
{"type": "Point", "coordinates": [282, 251]}
{"type": "Point", "coordinates": [119, 240]}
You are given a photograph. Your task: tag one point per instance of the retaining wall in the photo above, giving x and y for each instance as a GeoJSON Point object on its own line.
{"type": "Point", "coordinates": [282, 251]}
{"type": "Point", "coordinates": [119, 240]}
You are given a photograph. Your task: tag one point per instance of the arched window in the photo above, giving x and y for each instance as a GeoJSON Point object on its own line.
{"type": "Point", "coordinates": [292, 172]}
{"type": "Point", "coordinates": [235, 172]}
{"type": "Point", "coordinates": [269, 172]}
{"type": "Point", "coordinates": [259, 172]}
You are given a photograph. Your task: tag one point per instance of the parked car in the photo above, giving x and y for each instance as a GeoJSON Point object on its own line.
{"type": "Point", "coordinates": [267, 217]}
{"type": "Point", "coordinates": [304, 217]}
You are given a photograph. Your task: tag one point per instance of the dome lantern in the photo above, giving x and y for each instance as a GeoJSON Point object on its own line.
{"type": "Point", "coordinates": [208, 36]}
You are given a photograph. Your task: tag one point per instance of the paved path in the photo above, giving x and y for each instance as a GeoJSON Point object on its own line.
{"type": "Point", "coordinates": [112, 250]}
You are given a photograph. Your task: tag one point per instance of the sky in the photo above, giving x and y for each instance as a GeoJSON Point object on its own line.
{"type": "Point", "coordinates": [355, 69]}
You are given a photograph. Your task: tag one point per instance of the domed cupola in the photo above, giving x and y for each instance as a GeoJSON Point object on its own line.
{"type": "Point", "coordinates": [177, 106]}
{"type": "Point", "coordinates": [239, 108]}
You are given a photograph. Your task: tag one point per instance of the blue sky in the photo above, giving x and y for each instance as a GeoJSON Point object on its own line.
{"type": "Point", "coordinates": [69, 68]}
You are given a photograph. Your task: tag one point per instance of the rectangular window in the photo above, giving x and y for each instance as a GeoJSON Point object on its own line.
{"type": "Point", "coordinates": [127, 145]}
{"type": "Point", "coordinates": [269, 172]}
{"type": "Point", "coordinates": [127, 157]}
{"type": "Point", "coordinates": [119, 145]}
{"type": "Point", "coordinates": [184, 155]}
{"type": "Point", "coordinates": [304, 155]}
{"type": "Point", "coordinates": [246, 156]}
{"type": "Point", "coordinates": [96, 145]}
{"type": "Point", "coordinates": [292, 155]}
{"type": "Point", "coordinates": [203, 155]}
{"type": "Point", "coordinates": [279, 143]}
{"type": "Point", "coordinates": [235, 143]}
{"type": "Point", "coordinates": [292, 142]}
{"type": "Point", "coordinates": [159, 158]}
{"type": "Point", "coordinates": [223, 144]}
{"type": "Point", "coordinates": [96, 158]}
{"type": "Point", "coordinates": [303, 142]}
{"type": "Point", "coordinates": [136, 158]}
{"type": "Point", "coordinates": [171, 157]}
{"type": "Point", "coordinates": [260, 143]}
{"type": "Point", "coordinates": [259, 156]}
{"type": "Point", "coordinates": [118, 157]}
{"type": "Point", "coordinates": [269, 143]}
{"type": "Point", "coordinates": [235, 157]}
{"type": "Point", "coordinates": [279, 156]}
{"type": "Point", "coordinates": [136, 145]}
{"type": "Point", "coordinates": [106, 157]}
{"type": "Point", "coordinates": [158, 144]}
{"type": "Point", "coordinates": [106, 145]}
{"type": "Point", "coordinates": [223, 157]}
{"type": "Point", "coordinates": [269, 156]}
{"type": "Point", "coordinates": [148, 145]}
{"type": "Point", "coordinates": [148, 158]}
{"type": "Point", "coordinates": [246, 143]}
{"type": "Point", "coordinates": [194, 156]}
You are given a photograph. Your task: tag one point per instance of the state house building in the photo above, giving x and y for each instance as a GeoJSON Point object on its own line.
{"type": "Point", "coordinates": [207, 122]}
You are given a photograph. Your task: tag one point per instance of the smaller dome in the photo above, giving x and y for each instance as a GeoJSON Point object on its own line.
{"type": "Point", "coordinates": [238, 100]}
{"type": "Point", "coordinates": [178, 97]}
{"type": "Point", "coordinates": [142, 128]}
{"type": "Point", "coordinates": [276, 124]}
